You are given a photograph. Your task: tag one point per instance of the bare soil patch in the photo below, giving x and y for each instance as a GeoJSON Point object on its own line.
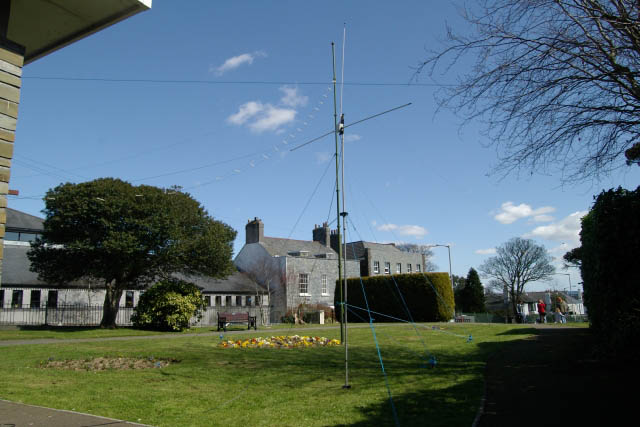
{"type": "Point", "coordinates": [106, 363]}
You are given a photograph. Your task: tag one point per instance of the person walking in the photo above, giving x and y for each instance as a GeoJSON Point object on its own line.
{"type": "Point", "coordinates": [542, 311]}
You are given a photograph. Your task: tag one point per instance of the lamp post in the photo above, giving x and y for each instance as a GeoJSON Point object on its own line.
{"type": "Point", "coordinates": [568, 275]}
{"type": "Point", "coordinates": [449, 249]}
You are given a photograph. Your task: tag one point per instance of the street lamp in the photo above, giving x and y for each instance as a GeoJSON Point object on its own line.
{"type": "Point", "coordinates": [449, 249]}
{"type": "Point", "coordinates": [569, 276]}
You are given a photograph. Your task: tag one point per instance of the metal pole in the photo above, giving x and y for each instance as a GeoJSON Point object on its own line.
{"type": "Point", "coordinates": [335, 131]}
{"type": "Point", "coordinates": [450, 274]}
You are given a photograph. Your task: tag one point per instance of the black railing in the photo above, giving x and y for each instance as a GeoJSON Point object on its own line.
{"type": "Point", "coordinates": [62, 315]}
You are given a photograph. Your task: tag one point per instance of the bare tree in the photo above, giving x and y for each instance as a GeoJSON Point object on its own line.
{"type": "Point", "coordinates": [555, 81]}
{"type": "Point", "coordinates": [517, 262]}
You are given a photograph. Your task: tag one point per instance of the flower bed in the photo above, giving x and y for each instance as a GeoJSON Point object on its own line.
{"type": "Point", "coordinates": [280, 342]}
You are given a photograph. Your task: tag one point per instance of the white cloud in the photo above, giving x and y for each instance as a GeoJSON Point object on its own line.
{"type": "Point", "coordinates": [236, 61]}
{"type": "Point", "coordinates": [566, 230]}
{"type": "Point", "coordinates": [292, 98]}
{"type": "Point", "coordinates": [245, 112]}
{"type": "Point", "coordinates": [263, 117]}
{"type": "Point", "coordinates": [405, 230]}
{"type": "Point", "coordinates": [323, 157]}
{"type": "Point", "coordinates": [272, 118]}
{"type": "Point", "coordinates": [543, 218]}
{"type": "Point", "coordinates": [352, 137]}
{"type": "Point", "coordinates": [510, 213]}
{"type": "Point", "coordinates": [489, 251]}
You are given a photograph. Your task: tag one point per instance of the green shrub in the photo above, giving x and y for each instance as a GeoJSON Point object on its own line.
{"type": "Point", "coordinates": [428, 296]}
{"type": "Point", "coordinates": [168, 306]}
{"type": "Point", "coordinates": [610, 239]}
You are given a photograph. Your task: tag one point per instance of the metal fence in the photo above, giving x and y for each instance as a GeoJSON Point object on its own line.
{"type": "Point", "coordinates": [62, 315]}
{"type": "Point", "coordinates": [85, 315]}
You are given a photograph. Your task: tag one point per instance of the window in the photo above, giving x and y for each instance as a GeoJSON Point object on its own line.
{"type": "Point", "coordinates": [128, 299]}
{"type": "Point", "coordinates": [11, 235]}
{"type": "Point", "coordinates": [238, 300]}
{"type": "Point", "coordinates": [258, 299]}
{"type": "Point", "coordinates": [52, 299]}
{"type": "Point", "coordinates": [408, 268]}
{"type": "Point", "coordinates": [303, 282]}
{"type": "Point", "coordinates": [387, 268]}
{"type": "Point", "coordinates": [35, 299]}
{"type": "Point", "coordinates": [227, 300]}
{"type": "Point", "coordinates": [324, 284]}
{"type": "Point", "coordinates": [1, 298]}
{"type": "Point", "coordinates": [218, 300]}
{"type": "Point", "coordinates": [418, 268]}
{"type": "Point", "coordinates": [207, 301]}
{"type": "Point", "coordinates": [249, 300]}
{"type": "Point", "coordinates": [376, 267]}
{"type": "Point", "coordinates": [399, 268]}
{"type": "Point", "coordinates": [16, 299]}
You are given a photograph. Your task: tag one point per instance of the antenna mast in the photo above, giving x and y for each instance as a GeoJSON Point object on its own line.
{"type": "Point", "coordinates": [335, 132]}
{"type": "Point", "coordinates": [344, 225]}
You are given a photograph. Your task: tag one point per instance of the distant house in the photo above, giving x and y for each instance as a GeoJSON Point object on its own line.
{"type": "Point", "coordinates": [500, 303]}
{"type": "Point", "coordinates": [293, 272]}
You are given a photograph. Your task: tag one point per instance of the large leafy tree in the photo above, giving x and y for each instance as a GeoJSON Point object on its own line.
{"type": "Point", "coordinates": [127, 237]}
{"type": "Point", "coordinates": [557, 82]}
{"type": "Point", "coordinates": [518, 262]}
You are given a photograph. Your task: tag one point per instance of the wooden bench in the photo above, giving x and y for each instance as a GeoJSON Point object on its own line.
{"type": "Point", "coordinates": [227, 318]}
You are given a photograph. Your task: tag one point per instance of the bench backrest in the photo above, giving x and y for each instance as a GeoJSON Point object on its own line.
{"type": "Point", "coordinates": [234, 317]}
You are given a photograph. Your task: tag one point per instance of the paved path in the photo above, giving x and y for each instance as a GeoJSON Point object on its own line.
{"type": "Point", "coordinates": [19, 415]}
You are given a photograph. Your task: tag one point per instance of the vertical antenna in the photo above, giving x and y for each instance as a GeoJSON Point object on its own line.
{"type": "Point", "coordinates": [335, 132]}
{"type": "Point", "coordinates": [344, 223]}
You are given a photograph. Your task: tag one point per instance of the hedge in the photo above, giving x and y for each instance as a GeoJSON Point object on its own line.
{"type": "Point", "coordinates": [417, 289]}
{"type": "Point", "coordinates": [610, 239]}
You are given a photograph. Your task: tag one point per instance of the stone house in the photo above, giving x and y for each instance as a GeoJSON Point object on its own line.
{"type": "Point", "coordinates": [384, 258]}
{"type": "Point", "coordinates": [294, 272]}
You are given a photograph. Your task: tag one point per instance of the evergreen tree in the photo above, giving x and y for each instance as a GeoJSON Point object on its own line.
{"type": "Point", "coordinates": [472, 295]}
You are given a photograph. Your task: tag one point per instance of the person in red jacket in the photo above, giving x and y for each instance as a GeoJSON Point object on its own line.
{"type": "Point", "coordinates": [542, 311]}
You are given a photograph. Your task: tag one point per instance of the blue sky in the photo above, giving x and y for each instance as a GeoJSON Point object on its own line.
{"type": "Point", "coordinates": [212, 95]}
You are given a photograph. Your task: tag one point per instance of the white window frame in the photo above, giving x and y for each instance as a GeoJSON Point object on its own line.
{"type": "Point", "coordinates": [376, 267]}
{"type": "Point", "coordinates": [418, 268]}
{"type": "Point", "coordinates": [409, 268]}
{"type": "Point", "coordinates": [324, 285]}
{"type": "Point", "coordinates": [303, 284]}
{"type": "Point", "coordinates": [398, 268]}
{"type": "Point", "coordinates": [387, 268]}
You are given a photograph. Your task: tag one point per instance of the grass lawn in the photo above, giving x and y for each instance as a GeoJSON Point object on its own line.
{"type": "Point", "coordinates": [285, 387]}
{"type": "Point", "coordinates": [62, 332]}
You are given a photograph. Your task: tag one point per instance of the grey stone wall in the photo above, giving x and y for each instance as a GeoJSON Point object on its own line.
{"type": "Point", "coordinates": [393, 257]}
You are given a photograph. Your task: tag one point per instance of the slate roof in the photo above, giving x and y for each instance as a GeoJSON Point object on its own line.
{"type": "Point", "coordinates": [282, 247]}
{"type": "Point", "coordinates": [20, 221]}
{"type": "Point", "coordinates": [236, 283]}
{"type": "Point", "coordinates": [15, 269]}
{"type": "Point", "coordinates": [535, 296]}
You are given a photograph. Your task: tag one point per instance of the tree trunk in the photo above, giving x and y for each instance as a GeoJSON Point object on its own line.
{"type": "Point", "coordinates": [111, 305]}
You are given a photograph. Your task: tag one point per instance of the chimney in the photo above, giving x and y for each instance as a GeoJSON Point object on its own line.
{"type": "Point", "coordinates": [334, 240]}
{"type": "Point", "coordinates": [321, 234]}
{"type": "Point", "coordinates": [254, 231]}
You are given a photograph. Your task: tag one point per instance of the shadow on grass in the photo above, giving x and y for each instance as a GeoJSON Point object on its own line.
{"type": "Point", "coordinates": [433, 403]}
